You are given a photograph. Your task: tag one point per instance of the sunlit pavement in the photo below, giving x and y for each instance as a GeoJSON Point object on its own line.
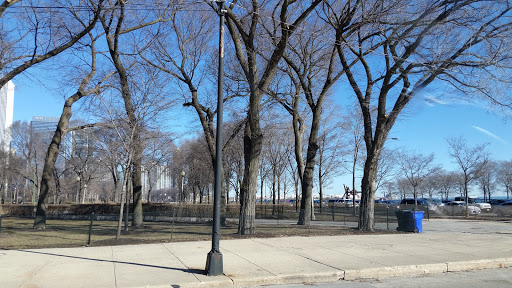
{"type": "Point", "coordinates": [445, 245]}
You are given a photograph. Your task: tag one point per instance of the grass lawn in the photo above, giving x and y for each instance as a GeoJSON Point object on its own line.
{"type": "Point", "coordinates": [17, 233]}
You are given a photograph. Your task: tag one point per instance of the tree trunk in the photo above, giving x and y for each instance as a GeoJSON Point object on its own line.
{"type": "Point", "coordinates": [415, 194]}
{"type": "Point", "coordinates": [58, 190]}
{"type": "Point", "coordinates": [466, 181]}
{"type": "Point", "coordinates": [296, 184]}
{"type": "Point", "coordinates": [137, 181]}
{"type": "Point", "coordinates": [226, 184]}
{"type": "Point", "coordinates": [115, 178]}
{"type": "Point", "coordinates": [320, 188]}
{"type": "Point", "coordinates": [306, 211]}
{"type": "Point", "coordinates": [262, 181]}
{"type": "Point", "coordinates": [368, 185]}
{"type": "Point", "coordinates": [354, 185]}
{"type": "Point", "coordinates": [150, 187]}
{"type": "Point", "coordinates": [136, 146]}
{"type": "Point", "coordinates": [273, 191]}
{"type": "Point", "coordinates": [253, 139]}
{"type": "Point", "coordinates": [51, 158]}
{"type": "Point", "coordinates": [307, 197]}
{"type": "Point", "coordinates": [121, 210]}
{"type": "Point", "coordinates": [279, 190]}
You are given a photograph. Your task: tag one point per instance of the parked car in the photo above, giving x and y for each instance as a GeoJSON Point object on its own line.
{"type": "Point", "coordinates": [459, 208]}
{"type": "Point", "coordinates": [316, 202]}
{"type": "Point", "coordinates": [484, 206]}
{"type": "Point", "coordinates": [497, 201]}
{"type": "Point", "coordinates": [422, 204]}
{"type": "Point", "coordinates": [504, 209]}
{"type": "Point", "coordinates": [342, 203]}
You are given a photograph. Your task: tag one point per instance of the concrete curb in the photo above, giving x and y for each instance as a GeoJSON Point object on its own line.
{"type": "Point", "coordinates": [350, 275]}
{"type": "Point", "coordinates": [395, 271]}
{"type": "Point", "coordinates": [290, 279]}
{"type": "Point", "coordinates": [479, 264]}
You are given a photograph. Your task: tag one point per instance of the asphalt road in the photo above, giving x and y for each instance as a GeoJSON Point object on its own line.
{"type": "Point", "coordinates": [478, 278]}
{"type": "Point", "coordinates": [496, 278]}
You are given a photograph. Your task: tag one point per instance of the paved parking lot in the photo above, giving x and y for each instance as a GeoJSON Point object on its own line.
{"type": "Point", "coordinates": [434, 225]}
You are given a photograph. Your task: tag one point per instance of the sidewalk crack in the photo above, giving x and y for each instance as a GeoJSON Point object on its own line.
{"type": "Point", "coordinates": [250, 262]}
{"type": "Point", "coordinates": [316, 261]}
{"type": "Point", "coordinates": [114, 263]}
{"type": "Point", "coordinates": [180, 261]}
{"type": "Point", "coordinates": [35, 273]}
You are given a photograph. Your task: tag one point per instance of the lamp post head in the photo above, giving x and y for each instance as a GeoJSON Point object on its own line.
{"type": "Point", "coordinates": [77, 178]}
{"type": "Point", "coordinates": [182, 173]}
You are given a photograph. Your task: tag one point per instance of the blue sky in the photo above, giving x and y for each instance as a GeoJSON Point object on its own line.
{"type": "Point", "coordinates": [424, 126]}
{"type": "Point", "coordinates": [431, 118]}
{"type": "Point", "coordinates": [428, 124]}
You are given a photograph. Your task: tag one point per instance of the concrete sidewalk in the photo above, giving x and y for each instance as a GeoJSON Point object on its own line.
{"type": "Point", "coordinates": [256, 261]}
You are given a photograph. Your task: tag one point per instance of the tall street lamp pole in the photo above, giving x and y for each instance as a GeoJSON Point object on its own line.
{"type": "Point", "coordinates": [214, 263]}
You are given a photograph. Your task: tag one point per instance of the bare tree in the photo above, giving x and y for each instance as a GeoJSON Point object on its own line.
{"type": "Point", "coordinates": [28, 145]}
{"type": "Point", "coordinates": [85, 88]}
{"type": "Point", "coordinates": [43, 33]}
{"type": "Point", "coordinates": [386, 168]}
{"type": "Point", "coordinates": [487, 179]}
{"type": "Point", "coordinates": [416, 167]}
{"type": "Point", "coordinates": [352, 124]}
{"type": "Point", "coordinates": [471, 160]}
{"type": "Point", "coordinates": [234, 164]}
{"type": "Point", "coordinates": [402, 47]}
{"type": "Point", "coordinates": [504, 176]}
{"type": "Point", "coordinates": [116, 21]}
{"type": "Point", "coordinates": [158, 147]}
{"type": "Point", "coordinates": [110, 155]}
{"type": "Point", "coordinates": [198, 166]}
{"type": "Point", "coordinates": [447, 182]}
{"type": "Point", "coordinates": [330, 152]}
{"type": "Point", "coordinates": [313, 64]}
{"type": "Point", "coordinates": [183, 51]}
{"type": "Point", "coordinates": [404, 187]}
{"type": "Point", "coordinates": [246, 34]}
{"type": "Point", "coordinates": [430, 185]}
{"type": "Point", "coordinates": [276, 148]}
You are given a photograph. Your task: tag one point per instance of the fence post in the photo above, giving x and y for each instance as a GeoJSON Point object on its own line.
{"type": "Point", "coordinates": [1, 216]}
{"type": "Point", "coordinates": [332, 208]}
{"type": "Point", "coordinates": [90, 229]}
{"type": "Point", "coordinates": [173, 218]}
{"type": "Point", "coordinates": [387, 216]}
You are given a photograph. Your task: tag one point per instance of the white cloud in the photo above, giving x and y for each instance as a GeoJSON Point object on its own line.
{"type": "Point", "coordinates": [431, 101]}
{"type": "Point", "coordinates": [490, 134]}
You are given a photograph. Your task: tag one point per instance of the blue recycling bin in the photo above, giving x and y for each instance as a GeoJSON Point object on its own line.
{"type": "Point", "coordinates": [409, 221]}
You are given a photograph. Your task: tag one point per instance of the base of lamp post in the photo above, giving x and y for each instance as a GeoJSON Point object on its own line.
{"type": "Point", "coordinates": [214, 265]}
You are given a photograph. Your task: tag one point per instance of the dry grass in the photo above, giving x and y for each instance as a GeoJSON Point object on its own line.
{"type": "Point", "coordinates": [17, 233]}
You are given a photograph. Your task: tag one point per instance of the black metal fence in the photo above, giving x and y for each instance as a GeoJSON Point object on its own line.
{"type": "Point", "coordinates": [171, 218]}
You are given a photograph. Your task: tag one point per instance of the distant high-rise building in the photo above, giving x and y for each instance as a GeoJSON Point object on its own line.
{"type": "Point", "coordinates": [44, 123]}
{"type": "Point", "coordinates": [6, 113]}
{"type": "Point", "coordinates": [81, 143]}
